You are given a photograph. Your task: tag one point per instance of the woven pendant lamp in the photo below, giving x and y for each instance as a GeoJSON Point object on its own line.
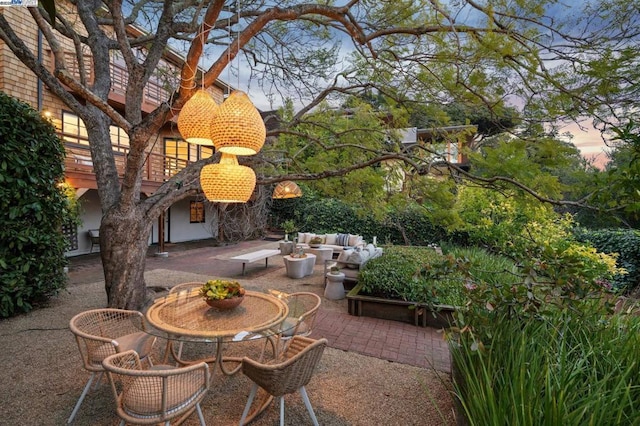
{"type": "Point", "coordinates": [227, 181]}
{"type": "Point", "coordinates": [287, 189]}
{"type": "Point", "coordinates": [195, 116]}
{"type": "Point", "coordinates": [237, 128]}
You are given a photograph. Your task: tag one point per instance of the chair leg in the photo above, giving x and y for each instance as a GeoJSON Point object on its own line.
{"type": "Point", "coordinates": [305, 398]}
{"type": "Point", "coordinates": [200, 416]}
{"type": "Point", "coordinates": [282, 410]}
{"type": "Point", "coordinates": [252, 394]}
{"type": "Point", "coordinates": [84, 393]}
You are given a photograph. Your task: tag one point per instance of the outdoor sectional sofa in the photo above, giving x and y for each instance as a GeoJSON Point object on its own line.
{"type": "Point", "coordinates": [338, 242]}
{"type": "Point", "coordinates": [350, 261]}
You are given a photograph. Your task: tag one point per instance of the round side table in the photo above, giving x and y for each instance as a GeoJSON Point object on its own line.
{"type": "Point", "coordinates": [335, 286]}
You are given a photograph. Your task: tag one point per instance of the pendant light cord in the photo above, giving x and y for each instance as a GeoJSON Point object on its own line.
{"type": "Point", "coordinates": [238, 52]}
{"type": "Point", "coordinates": [229, 55]}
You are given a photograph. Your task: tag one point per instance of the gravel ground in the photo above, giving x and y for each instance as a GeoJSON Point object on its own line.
{"type": "Point", "coordinates": [42, 374]}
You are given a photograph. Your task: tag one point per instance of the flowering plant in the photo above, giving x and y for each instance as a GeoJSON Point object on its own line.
{"type": "Point", "coordinates": [221, 289]}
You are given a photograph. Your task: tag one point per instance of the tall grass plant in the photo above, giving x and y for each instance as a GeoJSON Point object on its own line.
{"type": "Point", "coordinates": [561, 369]}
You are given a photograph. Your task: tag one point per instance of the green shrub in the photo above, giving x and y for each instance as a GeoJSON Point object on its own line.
{"type": "Point", "coordinates": [324, 215]}
{"type": "Point", "coordinates": [566, 368]}
{"type": "Point", "coordinates": [33, 208]}
{"type": "Point", "coordinates": [624, 242]}
{"type": "Point", "coordinates": [419, 274]}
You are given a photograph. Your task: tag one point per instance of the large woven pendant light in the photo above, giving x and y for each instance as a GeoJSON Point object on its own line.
{"type": "Point", "coordinates": [237, 127]}
{"type": "Point", "coordinates": [195, 116]}
{"type": "Point", "coordinates": [287, 189]}
{"type": "Point", "coordinates": [227, 181]}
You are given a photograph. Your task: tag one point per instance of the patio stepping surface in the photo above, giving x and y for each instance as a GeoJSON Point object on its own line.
{"type": "Point", "coordinates": [391, 340]}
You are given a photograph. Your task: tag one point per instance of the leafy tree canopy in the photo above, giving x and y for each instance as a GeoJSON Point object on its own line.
{"type": "Point", "coordinates": [581, 62]}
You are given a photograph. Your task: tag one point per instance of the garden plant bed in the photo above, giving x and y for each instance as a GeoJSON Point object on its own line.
{"type": "Point", "coordinates": [398, 310]}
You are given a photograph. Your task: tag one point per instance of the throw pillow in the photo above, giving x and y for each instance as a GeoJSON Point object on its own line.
{"type": "Point", "coordinates": [355, 259]}
{"type": "Point", "coordinates": [342, 240]}
{"type": "Point", "coordinates": [331, 239]}
{"type": "Point", "coordinates": [343, 257]}
{"type": "Point", "coordinates": [354, 240]}
{"type": "Point", "coordinates": [376, 253]}
{"type": "Point", "coordinates": [301, 237]}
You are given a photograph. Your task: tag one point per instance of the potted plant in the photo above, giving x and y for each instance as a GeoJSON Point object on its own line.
{"type": "Point", "coordinates": [334, 270]}
{"type": "Point", "coordinates": [288, 226]}
{"type": "Point", "coordinates": [222, 294]}
{"type": "Point", "coordinates": [315, 242]}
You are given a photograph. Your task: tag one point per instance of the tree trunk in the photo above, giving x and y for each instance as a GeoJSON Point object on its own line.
{"type": "Point", "coordinates": [123, 245]}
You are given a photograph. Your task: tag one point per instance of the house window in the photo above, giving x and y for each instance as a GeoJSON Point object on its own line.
{"type": "Point", "coordinates": [70, 232]}
{"type": "Point", "coordinates": [196, 212]}
{"type": "Point", "coordinates": [119, 139]}
{"type": "Point", "coordinates": [178, 154]}
{"type": "Point", "coordinates": [74, 131]}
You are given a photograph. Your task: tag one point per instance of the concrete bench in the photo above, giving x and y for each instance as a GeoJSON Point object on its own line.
{"type": "Point", "coordinates": [254, 256]}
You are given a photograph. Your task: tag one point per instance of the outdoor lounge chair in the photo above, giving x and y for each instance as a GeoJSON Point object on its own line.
{"type": "Point", "coordinates": [291, 373]}
{"type": "Point", "coordinates": [160, 394]}
{"type": "Point", "coordinates": [103, 332]}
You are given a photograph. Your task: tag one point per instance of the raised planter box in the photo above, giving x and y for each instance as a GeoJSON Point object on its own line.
{"type": "Point", "coordinates": [398, 310]}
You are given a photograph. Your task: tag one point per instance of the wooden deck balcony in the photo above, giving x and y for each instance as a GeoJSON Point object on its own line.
{"type": "Point", "coordinates": [155, 92]}
{"type": "Point", "coordinates": [79, 167]}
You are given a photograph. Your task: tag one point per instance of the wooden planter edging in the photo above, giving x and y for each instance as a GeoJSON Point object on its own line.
{"type": "Point", "coordinates": [398, 310]}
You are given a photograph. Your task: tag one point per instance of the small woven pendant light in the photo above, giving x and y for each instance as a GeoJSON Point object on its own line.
{"type": "Point", "coordinates": [227, 181]}
{"type": "Point", "coordinates": [237, 128]}
{"type": "Point", "coordinates": [195, 116]}
{"type": "Point", "coordinates": [287, 189]}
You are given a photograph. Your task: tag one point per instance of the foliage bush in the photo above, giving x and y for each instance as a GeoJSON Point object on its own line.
{"type": "Point", "coordinates": [419, 274]}
{"type": "Point", "coordinates": [624, 242]}
{"type": "Point", "coordinates": [571, 367]}
{"type": "Point", "coordinates": [33, 207]}
{"type": "Point", "coordinates": [536, 237]}
{"type": "Point", "coordinates": [324, 215]}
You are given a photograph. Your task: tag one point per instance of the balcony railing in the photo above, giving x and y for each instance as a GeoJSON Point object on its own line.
{"type": "Point", "coordinates": [158, 168]}
{"type": "Point", "coordinates": [154, 92]}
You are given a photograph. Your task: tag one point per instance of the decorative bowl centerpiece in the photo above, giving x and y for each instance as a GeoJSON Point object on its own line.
{"type": "Point", "coordinates": [315, 242]}
{"type": "Point", "coordinates": [222, 294]}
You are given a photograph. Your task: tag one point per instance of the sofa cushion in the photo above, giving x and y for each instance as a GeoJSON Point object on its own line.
{"type": "Point", "coordinates": [330, 239]}
{"type": "Point", "coordinates": [342, 240]}
{"type": "Point", "coordinates": [351, 274]}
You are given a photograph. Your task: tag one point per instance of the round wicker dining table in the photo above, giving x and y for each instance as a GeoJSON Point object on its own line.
{"type": "Point", "coordinates": [185, 315]}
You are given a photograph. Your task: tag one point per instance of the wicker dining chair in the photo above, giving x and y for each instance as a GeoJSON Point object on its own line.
{"type": "Point", "coordinates": [160, 394]}
{"type": "Point", "coordinates": [291, 373]}
{"type": "Point", "coordinates": [303, 310]}
{"type": "Point", "coordinates": [169, 349]}
{"type": "Point", "coordinates": [103, 332]}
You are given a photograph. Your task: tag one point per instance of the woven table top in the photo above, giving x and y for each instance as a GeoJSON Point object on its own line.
{"type": "Point", "coordinates": [186, 314]}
